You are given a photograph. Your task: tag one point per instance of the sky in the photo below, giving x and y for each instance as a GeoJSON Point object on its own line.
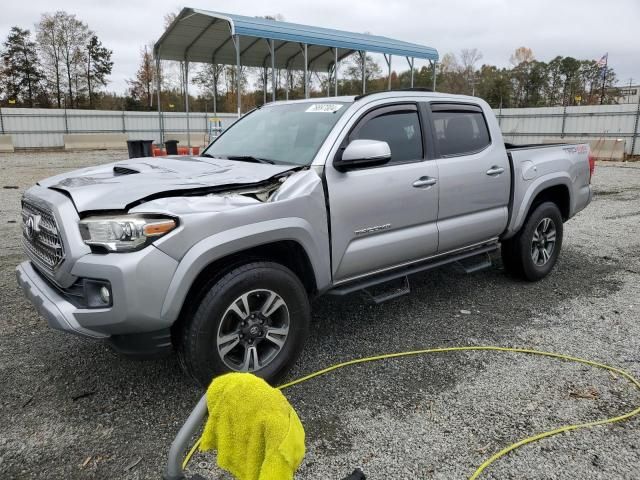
{"type": "Point", "coordinates": [585, 29]}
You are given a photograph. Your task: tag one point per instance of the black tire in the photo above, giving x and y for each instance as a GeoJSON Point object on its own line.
{"type": "Point", "coordinates": [518, 252]}
{"type": "Point", "coordinates": [198, 348]}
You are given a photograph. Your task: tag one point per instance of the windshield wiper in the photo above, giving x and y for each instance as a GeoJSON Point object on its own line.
{"type": "Point", "coordinates": [250, 158]}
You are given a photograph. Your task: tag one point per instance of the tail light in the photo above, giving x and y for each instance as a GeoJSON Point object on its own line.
{"type": "Point", "coordinates": [592, 166]}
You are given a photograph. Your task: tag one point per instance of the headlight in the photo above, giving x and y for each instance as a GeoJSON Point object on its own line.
{"type": "Point", "coordinates": [124, 233]}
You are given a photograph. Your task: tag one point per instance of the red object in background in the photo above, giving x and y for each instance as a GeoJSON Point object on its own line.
{"type": "Point", "coordinates": [592, 166]}
{"type": "Point", "coordinates": [160, 152]}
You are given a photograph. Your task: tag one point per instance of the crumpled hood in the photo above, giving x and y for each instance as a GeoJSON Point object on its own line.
{"type": "Point", "coordinates": [117, 185]}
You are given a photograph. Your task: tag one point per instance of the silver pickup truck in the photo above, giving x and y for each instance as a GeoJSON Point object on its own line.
{"type": "Point", "coordinates": [217, 256]}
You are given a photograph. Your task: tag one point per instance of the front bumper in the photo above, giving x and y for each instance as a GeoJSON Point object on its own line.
{"type": "Point", "coordinates": [49, 303]}
{"type": "Point", "coordinates": [139, 282]}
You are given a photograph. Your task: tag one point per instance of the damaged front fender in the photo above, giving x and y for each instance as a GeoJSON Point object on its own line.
{"type": "Point", "coordinates": [216, 225]}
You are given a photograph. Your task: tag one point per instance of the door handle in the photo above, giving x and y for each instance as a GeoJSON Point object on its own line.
{"type": "Point", "coordinates": [495, 170]}
{"type": "Point", "coordinates": [423, 182]}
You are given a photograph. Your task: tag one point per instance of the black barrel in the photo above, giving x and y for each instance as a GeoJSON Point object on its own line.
{"type": "Point", "coordinates": [172, 147]}
{"type": "Point", "coordinates": [135, 148]}
{"type": "Point", "coordinates": [147, 147]}
{"type": "Point", "coordinates": [139, 148]}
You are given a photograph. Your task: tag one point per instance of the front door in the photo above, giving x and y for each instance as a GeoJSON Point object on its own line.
{"type": "Point", "coordinates": [384, 216]}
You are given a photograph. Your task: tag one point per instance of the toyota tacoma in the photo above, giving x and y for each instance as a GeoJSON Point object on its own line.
{"type": "Point", "coordinates": [217, 256]}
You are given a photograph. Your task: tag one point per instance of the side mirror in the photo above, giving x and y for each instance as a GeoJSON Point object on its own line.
{"type": "Point", "coordinates": [363, 153]}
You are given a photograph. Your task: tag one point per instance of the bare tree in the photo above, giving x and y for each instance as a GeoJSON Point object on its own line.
{"type": "Point", "coordinates": [469, 57]}
{"type": "Point", "coordinates": [62, 39]}
{"type": "Point", "coordinates": [208, 79]}
{"type": "Point", "coordinates": [354, 68]}
{"type": "Point", "coordinates": [48, 39]}
{"type": "Point", "coordinates": [141, 86]}
{"type": "Point", "coordinates": [448, 63]}
{"type": "Point", "coordinates": [521, 55]}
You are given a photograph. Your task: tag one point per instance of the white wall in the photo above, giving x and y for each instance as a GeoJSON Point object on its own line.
{"type": "Point", "coordinates": [44, 128]}
{"type": "Point", "coordinates": [532, 125]}
{"type": "Point", "coordinates": [37, 128]}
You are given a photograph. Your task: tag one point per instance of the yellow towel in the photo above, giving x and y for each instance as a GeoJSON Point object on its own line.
{"type": "Point", "coordinates": [256, 432]}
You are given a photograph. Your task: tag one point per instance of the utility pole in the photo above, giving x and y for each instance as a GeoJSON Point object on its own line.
{"type": "Point", "coordinates": [629, 92]}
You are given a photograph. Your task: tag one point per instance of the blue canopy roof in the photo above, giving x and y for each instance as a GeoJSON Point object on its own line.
{"type": "Point", "coordinates": [205, 36]}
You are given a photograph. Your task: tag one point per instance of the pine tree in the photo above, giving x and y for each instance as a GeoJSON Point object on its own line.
{"type": "Point", "coordinates": [21, 71]}
{"type": "Point", "coordinates": [99, 66]}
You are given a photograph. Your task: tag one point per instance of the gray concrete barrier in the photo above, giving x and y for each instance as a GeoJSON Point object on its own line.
{"type": "Point", "coordinates": [95, 141]}
{"type": "Point", "coordinates": [6, 144]}
{"type": "Point", "coordinates": [601, 148]}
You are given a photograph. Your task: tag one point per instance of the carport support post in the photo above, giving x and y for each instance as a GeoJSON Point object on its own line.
{"type": "Point", "coordinates": [236, 42]}
{"type": "Point", "coordinates": [265, 76]}
{"type": "Point", "coordinates": [306, 71]}
{"type": "Point", "coordinates": [435, 72]}
{"type": "Point", "coordinates": [158, 86]}
{"type": "Point", "coordinates": [329, 81]}
{"type": "Point", "coordinates": [388, 60]}
{"type": "Point", "coordinates": [215, 89]}
{"type": "Point", "coordinates": [335, 71]}
{"type": "Point", "coordinates": [273, 69]}
{"type": "Point", "coordinates": [410, 61]}
{"type": "Point", "coordinates": [286, 91]}
{"type": "Point", "coordinates": [186, 102]}
{"type": "Point", "coordinates": [363, 57]}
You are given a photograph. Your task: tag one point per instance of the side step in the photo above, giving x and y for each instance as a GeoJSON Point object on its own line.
{"type": "Point", "coordinates": [393, 291]}
{"type": "Point", "coordinates": [475, 264]}
{"type": "Point", "coordinates": [368, 282]}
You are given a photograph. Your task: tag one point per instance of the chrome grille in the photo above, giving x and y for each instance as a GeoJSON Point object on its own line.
{"type": "Point", "coordinates": [40, 236]}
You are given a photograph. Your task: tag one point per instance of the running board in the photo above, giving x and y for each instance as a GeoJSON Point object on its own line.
{"type": "Point", "coordinates": [373, 280]}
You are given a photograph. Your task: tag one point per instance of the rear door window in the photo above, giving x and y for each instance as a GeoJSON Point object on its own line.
{"type": "Point", "coordinates": [459, 130]}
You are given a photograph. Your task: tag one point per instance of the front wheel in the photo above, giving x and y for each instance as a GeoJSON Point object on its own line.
{"type": "Point", "coordinates": [253, 319]}
{"type": "Point", "coordinates": [532, 253]}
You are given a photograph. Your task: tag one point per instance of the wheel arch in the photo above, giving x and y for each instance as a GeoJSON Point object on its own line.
{"type": "Point", "coordinates": [558, 194]}
{"type": "Point", "coordinates": [555, 189]}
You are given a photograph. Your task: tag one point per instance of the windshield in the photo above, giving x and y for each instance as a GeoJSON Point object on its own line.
{"type": "Point", "coordinates": [283, 134]}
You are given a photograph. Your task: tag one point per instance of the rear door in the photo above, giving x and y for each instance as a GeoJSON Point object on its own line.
{"type": "Point", "coordinates": [474, 176]}
{"type": "Point", "coordinates": [386, 215]}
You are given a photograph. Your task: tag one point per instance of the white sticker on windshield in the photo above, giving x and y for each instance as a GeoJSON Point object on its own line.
{"type": "Point", "coordinates": [324, 107]}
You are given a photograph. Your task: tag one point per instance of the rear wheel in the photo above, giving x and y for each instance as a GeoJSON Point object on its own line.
{"type": "Point", "coordinates": [532, 253]}
{"type": "Point", "coordinates": [253, 319]}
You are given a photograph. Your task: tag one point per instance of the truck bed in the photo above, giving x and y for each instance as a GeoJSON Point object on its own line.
{"type": "Point", "coordinates": [536, 166]}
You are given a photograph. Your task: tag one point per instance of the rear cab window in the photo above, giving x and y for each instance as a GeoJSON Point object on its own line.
{"type": "Point", "coordinates": [459, 129]}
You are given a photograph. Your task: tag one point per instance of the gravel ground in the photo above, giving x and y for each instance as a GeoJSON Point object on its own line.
{"type": "Point", "coordinates": [71, 408]}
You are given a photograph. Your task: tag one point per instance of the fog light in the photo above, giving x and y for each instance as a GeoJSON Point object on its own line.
{"type": "Point", "coordinates": [97, 293]}
{"type": "Point", "coordinates": [105, 295]}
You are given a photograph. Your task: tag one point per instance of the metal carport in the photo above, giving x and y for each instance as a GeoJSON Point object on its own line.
{"type": "Point", "coordinates": [211, 37]}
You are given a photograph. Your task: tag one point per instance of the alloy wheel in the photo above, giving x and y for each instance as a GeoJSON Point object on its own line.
{"type": "Point", "coordinates": [253, 330]}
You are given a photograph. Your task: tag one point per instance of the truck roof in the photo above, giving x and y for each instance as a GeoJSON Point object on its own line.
{"type": "Point", "coordinates": [414, 92]}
